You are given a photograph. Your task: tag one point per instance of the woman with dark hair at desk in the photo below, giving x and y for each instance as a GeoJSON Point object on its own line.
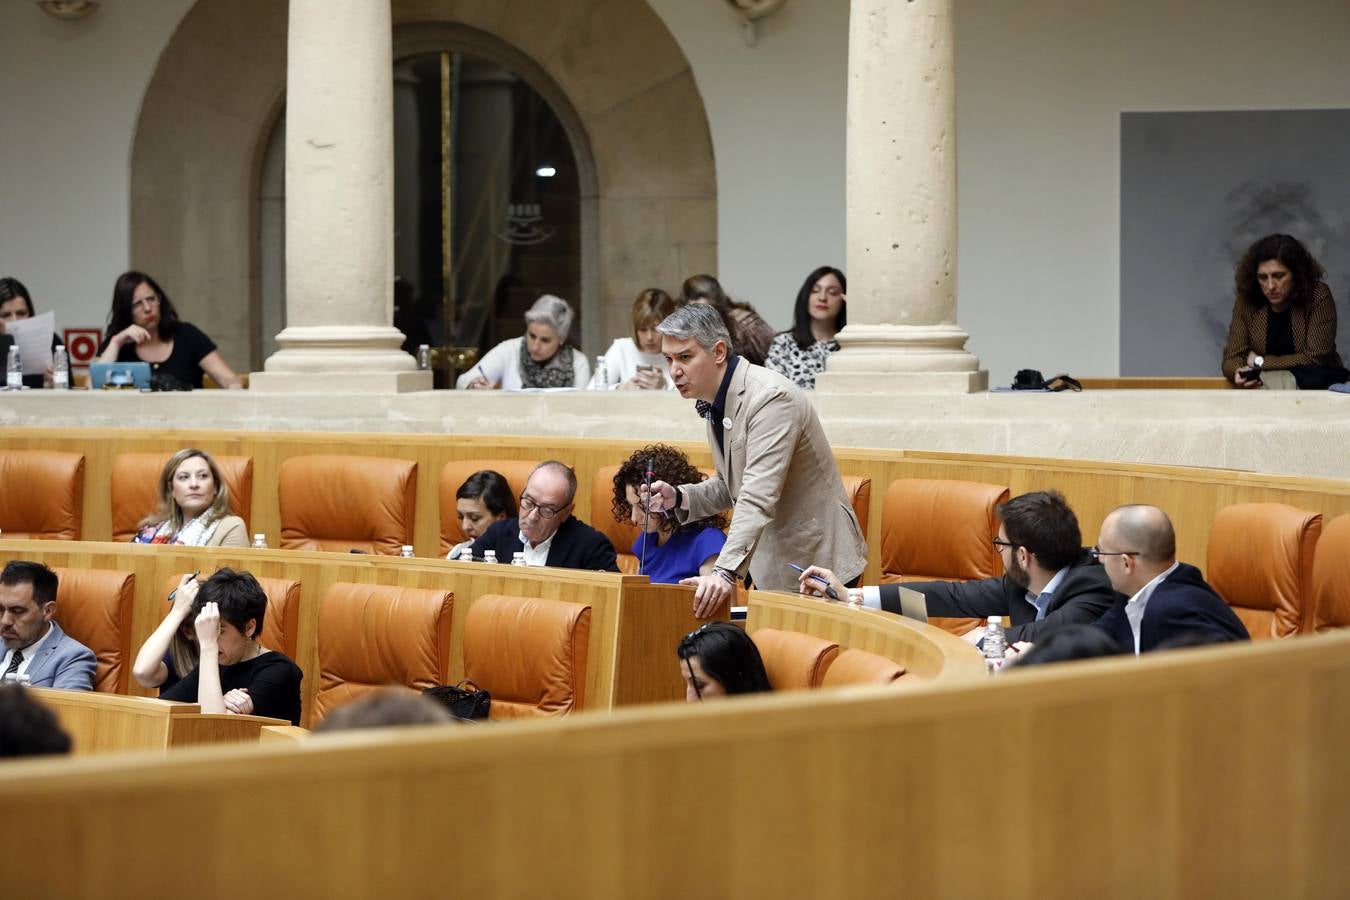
{"type": "Point", "coordinates": [670, 551]}
{"type": "Point", "coordinates": [143, 326]}
{"type": "Point", "coordinates": [719, 659]}
{"type": "Point", "coordinates": [236, 674]}
{"type": "Point", "coordinates": [16, 303]}
{"type": "Point", "coordinates": [1283, 331]}
{"type": "Point", "coordinates": [483, 499]}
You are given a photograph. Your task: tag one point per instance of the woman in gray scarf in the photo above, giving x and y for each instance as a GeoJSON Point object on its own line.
{"type": "Point", "coordinates": [540, 359]}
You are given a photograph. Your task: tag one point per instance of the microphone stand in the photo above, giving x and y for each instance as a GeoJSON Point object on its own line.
{"type": "Point", "coordinates": [646, 518]}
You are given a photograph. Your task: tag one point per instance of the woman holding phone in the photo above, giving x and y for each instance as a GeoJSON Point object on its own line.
{"type": "Point", "coordinates": [635, 363]}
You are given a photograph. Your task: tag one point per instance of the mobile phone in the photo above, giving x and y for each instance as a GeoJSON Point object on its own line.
{"type": "Point", "coordinates": [648, 369]}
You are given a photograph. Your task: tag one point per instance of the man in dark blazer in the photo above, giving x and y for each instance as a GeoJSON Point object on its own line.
{"type": "Point", "coordinates": [546, 531]}
{"type": "Point", "coordinates": [1168, 601]}
{"type": "Point", "coordinates": [1049, 579]}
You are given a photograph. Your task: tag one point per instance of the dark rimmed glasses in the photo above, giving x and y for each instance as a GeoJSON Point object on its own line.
{"type": "Point", "coordinates": [528, 503]}
{"type": "Point", "coordinates": [1098, 553]}
{"type": "Point", "coordinates": [1000, 544]}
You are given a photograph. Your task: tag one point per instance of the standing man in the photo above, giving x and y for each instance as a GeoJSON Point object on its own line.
{"type": "Point", "coordinates": [1167, 599]}
{"type": "Point", "coordinates": [34, 644]}
{"type": "Point", "coordinates": [774, 465]}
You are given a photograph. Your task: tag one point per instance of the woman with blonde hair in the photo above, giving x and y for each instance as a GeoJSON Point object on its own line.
{"type": "Point", "coordinates": [194, 506]}
{"type": "Point", "coordinates": [636, 363]}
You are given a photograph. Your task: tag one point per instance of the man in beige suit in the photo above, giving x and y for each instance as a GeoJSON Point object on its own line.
{"type": "Point", "coordinates": [774, 465]}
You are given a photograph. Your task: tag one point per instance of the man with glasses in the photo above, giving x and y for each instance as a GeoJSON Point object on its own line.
{"type": "Point", "coordinates": [1049, 579]}
{"type": "Point", "coordinates": [1168, 601]}
{"type": "Point", "coordinates": [546, 531]}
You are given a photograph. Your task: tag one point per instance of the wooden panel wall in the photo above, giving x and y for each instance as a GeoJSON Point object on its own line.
{"type": "Point", "coordinates": [1192, 496]}
{"type": "Point", "coordinates": [1196, 773]}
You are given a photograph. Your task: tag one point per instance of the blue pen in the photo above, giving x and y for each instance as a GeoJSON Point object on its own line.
{"type": "Point", "coordinates": [829, 591]}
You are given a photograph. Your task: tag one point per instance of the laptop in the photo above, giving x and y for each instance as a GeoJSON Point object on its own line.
{"type": "Point", "coordinates": [913, 605]}
{"type": "Point", "coordinates": [114, 375]}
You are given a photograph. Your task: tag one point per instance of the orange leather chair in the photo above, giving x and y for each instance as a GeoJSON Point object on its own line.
{"type": "Point", "coordinates": [43, 495]}
{"type": "Point", "coordinates": [135, 488]}
{"type": "Point", "coordinates": [281, 624]}
{"type": "Point", "coordinates": [1330, 606]}
{"type": "Point", "coordinates": [529, 654]}
{"type": "Point", "coordinates": [456, 472]}
{"type": "Point", "coordinates": [372, 636]}
{"type": "Point", "coordinates": [343, 503]}
{"type": "Point", "coordinates": [793, 660]}
{"type": "Point", "coordinates": [941, 530]}
{"type": "Point", "coordinates": [859, 491]}
{"type": "Point", "coordinates": [93, 606]}
{"type": "Point", "coordinates": [861, 667]}
{"type": "Point", "coordinates": [1260, 561]}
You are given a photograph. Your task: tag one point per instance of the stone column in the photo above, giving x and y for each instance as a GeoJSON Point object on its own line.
{"type": "Point", "coordinates": [339, 336]}
{"type": "Point", "coordinates": [902, 335]}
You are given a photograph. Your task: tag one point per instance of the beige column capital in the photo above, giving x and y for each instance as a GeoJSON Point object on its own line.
{"type": "Point", "coordinates": [902, 334]}
{"type": "Point", "coordinates": [339, 206]}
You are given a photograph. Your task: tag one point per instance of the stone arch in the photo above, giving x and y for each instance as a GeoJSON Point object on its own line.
{"type": "Point", "coordinates": [614, 68]}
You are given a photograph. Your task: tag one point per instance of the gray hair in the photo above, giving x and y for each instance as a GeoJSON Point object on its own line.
{"type": "Point", "coordinates": [555, 312]}
{"type": "Point", "coordinates": [699, 321]}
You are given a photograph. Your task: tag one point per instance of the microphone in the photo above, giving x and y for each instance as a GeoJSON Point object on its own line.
{"type": "Point", "coordinates": [647, 516]}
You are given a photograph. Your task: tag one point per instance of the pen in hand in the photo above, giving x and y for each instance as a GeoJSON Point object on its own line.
{"type": "Point", "coordinates": [829, 591]}
{"type": "Point", "coordinates": [174, 593]}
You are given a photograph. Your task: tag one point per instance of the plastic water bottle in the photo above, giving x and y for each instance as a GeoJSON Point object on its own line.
{"type": "Point", "coordinates": [406, 552]}
{"type": "Point", "coordinates": [260, 542]}
{"type": "Point", "coordinates": [489, 556]}
{"type": "Point", "coordinates": [60, 368]}
{"type": "Point", "coordinates": [518, 558]}
{"type": "Point", "coordinates": [994, 644]}
{"type": "Point", "coordinates": [600, 380]}
{"type": "Point", "coordinates": [14, 370]}
{"type": "Point", "coordinates": [424, 357]}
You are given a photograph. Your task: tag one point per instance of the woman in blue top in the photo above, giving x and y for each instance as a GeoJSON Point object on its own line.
{"type": "Point", "coordinates": [673, 551]}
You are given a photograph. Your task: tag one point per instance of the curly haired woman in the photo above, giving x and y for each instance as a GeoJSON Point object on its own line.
{"type": "Point", "coordinates": [673, 551]}
{"type": "Point", "coordinates": [1283, 332]}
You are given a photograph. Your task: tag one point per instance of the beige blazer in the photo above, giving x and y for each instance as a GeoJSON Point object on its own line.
{"type": "Point", "coordinates": [779, 474]}
{"type": "Point", "coordinates": [231, 532]}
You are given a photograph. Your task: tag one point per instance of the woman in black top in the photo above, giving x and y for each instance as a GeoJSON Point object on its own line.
{"type": "Point", "coordinates": [143, 326]}
{"type": "Point", "coordinates": [236, 674]}
{"type": "Point", "coordinates": [15, 303]}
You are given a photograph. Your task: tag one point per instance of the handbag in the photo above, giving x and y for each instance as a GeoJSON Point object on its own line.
{"type": "Point", "coordinates": [471, 702]}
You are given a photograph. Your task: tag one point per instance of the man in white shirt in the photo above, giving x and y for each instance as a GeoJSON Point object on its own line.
{"type": "Point", "coordinates": [35, 645]}
{"type": "Point", "coordinates": [1168, 600]}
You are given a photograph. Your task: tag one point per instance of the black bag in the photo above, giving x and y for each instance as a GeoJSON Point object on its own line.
{"type": "Point", "coordinates": [470, 703]}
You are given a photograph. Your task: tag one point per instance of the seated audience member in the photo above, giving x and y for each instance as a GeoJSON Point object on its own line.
{"type": "Point", "coordinates": [171, 650]}
{"type": "Point", "coordinates": [636, 363]}
{"type": "Point", "coordinates": [27, 728]}
{"type": "Point", "coordinates": [546, 531]}
{"type": "Point", "coordinates": [1067, 643]}
{"type": "Point", "coordinates": [1283, 330]}
{"type": "Point", "coordinates": [719, 659]}
{"type": "Point", "coordinates": [750, 335]}
{"type": "Point", "coordinates": [35, 645]}
{"type": "Point", "coordinates": [540, 359]}
{"type": "Point", "coordinates": [484, 498]}
{"type": "Point", "coordinates": [1049, 580]}
{"type": "Point", "coordinates": [821, 312]}
{"type": "Point", "coordinates": [235, 673]}
{"type": "Point", "coordinates": [1138, 549]}
{"type": "Point", "coordinates": [384, 708]}
{"type": "Point", "coordinates": [194, 506]}
{"type": "Point", "coordinates": [143, 326]}
{"type": "Point", "coordinates": [15, 303]}
{"type": "Point", "coordinates": [672, 551]}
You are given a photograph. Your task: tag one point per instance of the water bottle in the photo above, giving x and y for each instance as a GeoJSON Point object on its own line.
{"type": "Point", "coordinates": [518, 559]}
{"type": "Point", "coordinates": [424, 357]}
{"type": "Point", "coordinates": [994, 644]}
{"type": "Point", "coordinates": [60, 368]}
{"type": "Point", "coordinates": [14, 370]}
{"type": "Point", "coordinates": [406, 552]}
{"type": "Point", "coordinates": [260, 542]}
{"type": "Point", "coordinates": [489, 556]}
{"type": "Point", "coordinates": [600, 381]}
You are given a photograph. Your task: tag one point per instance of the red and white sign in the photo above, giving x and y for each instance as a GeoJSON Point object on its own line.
{"type": "Point", "coordinates": [82, 344]}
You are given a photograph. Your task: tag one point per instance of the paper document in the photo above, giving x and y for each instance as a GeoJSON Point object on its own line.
{"type": "Point", "coordinates": [33, 337]}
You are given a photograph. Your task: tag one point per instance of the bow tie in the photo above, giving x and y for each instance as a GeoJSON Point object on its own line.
{"type": "Point", "coordinates": [704, 409]}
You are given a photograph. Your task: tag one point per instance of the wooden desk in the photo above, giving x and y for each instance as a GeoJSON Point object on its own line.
{"type": "Point", "coordinates": [106, 723]}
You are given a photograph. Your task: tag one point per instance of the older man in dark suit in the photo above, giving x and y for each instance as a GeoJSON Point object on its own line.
{"type": "Point", "coordinates": [1168, 600]}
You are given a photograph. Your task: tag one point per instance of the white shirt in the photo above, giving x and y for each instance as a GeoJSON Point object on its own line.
{"type": "Point", "coordinates": [538, 554]}
{"type": "Point", "coordinates": [623, 358]}
{"type": "Point", "coordinates": [1134, 607]}
{"type": "Point", "coordinates": [29, 653]}
{"type": "Point", "coordinates": [501, 366]}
